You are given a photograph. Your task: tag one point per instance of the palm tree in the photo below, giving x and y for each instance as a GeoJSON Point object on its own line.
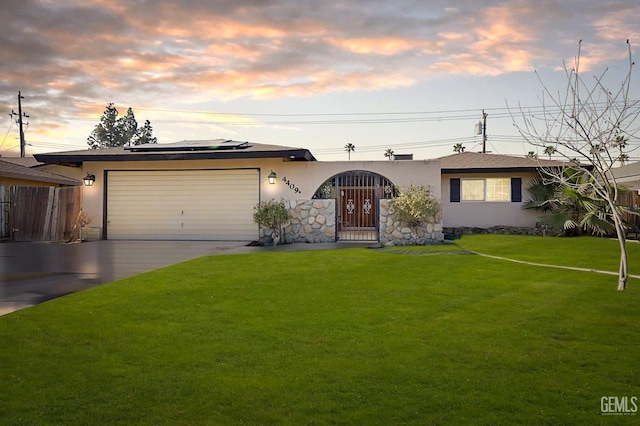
{"type": "Point", "coordinates": [458, 148]}
{"type": "Point", "coordinates": [349, 148]}
{"type": "Point", "coordinates": [573, 207]}
{"type": "Point", "coordinates": [389, 154]}
{"type": "Point", "coordinates": [623, 159]}
{"type": "Point", "coordinates": [549, 150]}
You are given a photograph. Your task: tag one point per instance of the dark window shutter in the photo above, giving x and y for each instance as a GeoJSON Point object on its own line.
{"type": "Point", "coordinates": [454, 190]}
{"type": "Point", "coordinates": [516, 190]}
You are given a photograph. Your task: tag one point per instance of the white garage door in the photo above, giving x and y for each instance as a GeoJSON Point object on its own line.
{"type": "Point", "coordinates": [182, 204]}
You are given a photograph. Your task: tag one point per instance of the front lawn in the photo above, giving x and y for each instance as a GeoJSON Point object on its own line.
{"type": "Point", "coordinates": [351, 336]}
{"type": "Point", "coordinates": [582, 252]}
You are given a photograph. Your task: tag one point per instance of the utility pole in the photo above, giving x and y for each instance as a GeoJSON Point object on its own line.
{"type": "Point", "coordinates": [20, 123]}
{"type": "Point", "coordinates": [484, 132]}
{"type": "Point", "coordinates": [481, 129]}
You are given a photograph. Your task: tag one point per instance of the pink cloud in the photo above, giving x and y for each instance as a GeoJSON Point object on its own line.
{"type": "Point", "coordinates": [387, 46]}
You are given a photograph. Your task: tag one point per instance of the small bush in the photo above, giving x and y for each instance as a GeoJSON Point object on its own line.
{"type": "Point", "coordinates": [416, 205]}
{"type": "Point", "coordinates": [272, 214]}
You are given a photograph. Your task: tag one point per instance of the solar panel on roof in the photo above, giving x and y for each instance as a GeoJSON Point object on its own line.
{"type": "Point", "coordinates": [198, 145]}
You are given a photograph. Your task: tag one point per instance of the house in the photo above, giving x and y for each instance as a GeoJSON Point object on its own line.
{"type": "Point", "coordinates": [207, 190]}
{"type": "Point", "coordinates": [20, 187]}
{"type": "Point", "coordinates": [628, 176]}
{"type": "Point", "coordinates": [12, 174]}
{"type": "Point", "coordinates": [487, 190]}
{"type": "Point", "coordinates": [195, 190]}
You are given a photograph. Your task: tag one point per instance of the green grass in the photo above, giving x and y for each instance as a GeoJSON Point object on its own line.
{"type": "Point", "coordinates": [582, 252]}
{"type": "Point", "coordinates": [350, 336]}
{"type": "Point", "coordinates": [436, 248]}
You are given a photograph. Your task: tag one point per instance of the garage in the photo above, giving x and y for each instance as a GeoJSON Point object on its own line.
{"type": "Point", "coordinates": [182, 204]}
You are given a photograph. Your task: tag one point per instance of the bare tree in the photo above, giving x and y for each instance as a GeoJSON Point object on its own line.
{"type": "Point", "coordinates": [588, 125]}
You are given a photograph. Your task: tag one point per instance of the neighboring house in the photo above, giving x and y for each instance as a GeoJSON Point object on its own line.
{"type": "Point", "coordinates": [12, 174]}
{"type": "Point", "coordinates": [486, 190]}
{"type": "Point", "coordinates": [17, 212]}
{"type": "Point", "coordinates": [30, 162]}
{"type": "Point", "coordinates": [207, 190]}
{"type": "Point", "coordinates": [628, 176]}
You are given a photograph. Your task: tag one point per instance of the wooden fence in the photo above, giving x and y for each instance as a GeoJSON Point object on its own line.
{"type": "Point", "coordinates": [5, 229]}
{"type": "Point", "coordinates": [632, 199]}
{"type": "Point", "coordinates": [40, 213]}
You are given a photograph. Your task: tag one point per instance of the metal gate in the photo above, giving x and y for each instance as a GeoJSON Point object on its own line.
{"type": "Point", "coordinates": [357, 195]}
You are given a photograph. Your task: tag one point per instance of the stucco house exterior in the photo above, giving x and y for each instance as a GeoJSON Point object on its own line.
{"type": "Point", "coordinates": [487, 190]}
{"type": "Point", "coordinates": [206, 190]}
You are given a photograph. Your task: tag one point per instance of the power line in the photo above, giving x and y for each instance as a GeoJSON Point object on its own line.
{"type": "Point", "coordinates": [8, 130]}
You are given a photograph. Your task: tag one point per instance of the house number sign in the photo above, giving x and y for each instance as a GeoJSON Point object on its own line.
{"type": "Point", "coordinates": [291, 185]}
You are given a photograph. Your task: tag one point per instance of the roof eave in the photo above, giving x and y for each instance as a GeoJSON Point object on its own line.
{"type": "Point", "coordinates": [46, 179]}
{"type": "Point", "coordinates": [76, 160]}
{"type": "Point", "coordinates": [450, 171]}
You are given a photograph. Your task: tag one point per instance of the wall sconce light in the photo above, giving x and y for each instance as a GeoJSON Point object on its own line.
{"type": "Point", "coordinates": [272, 177]}
{"type": "Point", "coordinates": [89, 179]}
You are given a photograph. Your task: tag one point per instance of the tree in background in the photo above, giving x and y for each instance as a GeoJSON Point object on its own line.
{"type": "Point", "coordinates": [458, 148]}
{"type": "Point", "coordinates": [113, 131]}
{"type": "Point", "coordinates": [106, 133]}
{"type": "Point", "coordinates": [587, 122]}
{"type": "Point", "coordinates": [145, 134]}
{"type": "Point", "coordinates": [349, 148]}
{"type": "Point", "coordinates": [128, 127]}
{"type": "Point", "coordinates": [549, 150]}
{"type": "Point", "coordinates": [389, 154]}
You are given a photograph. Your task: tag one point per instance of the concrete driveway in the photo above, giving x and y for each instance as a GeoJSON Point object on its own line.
{"type": "Point", "coordinates": [31, 273]}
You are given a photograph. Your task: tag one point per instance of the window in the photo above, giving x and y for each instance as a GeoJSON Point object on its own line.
{"type": "Point", "coordinates": [472, 189]}
{"type": "Point", "coordinates": [493, 189]}
{"type": "Point", "coordinates": [498, 189]}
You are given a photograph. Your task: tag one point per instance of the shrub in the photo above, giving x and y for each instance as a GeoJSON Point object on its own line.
{"type": "Point", "coordinates": [416, 205]}
{"type": "Point", "coordinates": [272, 214]}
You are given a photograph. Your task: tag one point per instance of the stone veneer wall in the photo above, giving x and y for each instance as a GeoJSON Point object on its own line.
{"type": "Point", "coordinates": [395, 233]}
{"type": "Point", "coordinates": [539, 229]}
{"type": "Point", "coordinates": [312, 221]}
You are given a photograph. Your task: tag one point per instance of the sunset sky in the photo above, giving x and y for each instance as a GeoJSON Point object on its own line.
{"type": "Point", "coordinates": [410, 75]}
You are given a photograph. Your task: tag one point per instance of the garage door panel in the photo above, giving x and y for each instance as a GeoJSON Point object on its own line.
{"type": "Point", "coordinates": [185, 204]}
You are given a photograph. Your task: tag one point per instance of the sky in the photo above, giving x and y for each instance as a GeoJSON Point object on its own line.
{"type": "Point", "coordinates": [412, 76]}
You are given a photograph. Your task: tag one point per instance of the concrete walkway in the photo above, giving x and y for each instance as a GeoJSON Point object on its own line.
{"type": "Point", "coordinates": [32, 273]}
{"type": "Point", "coordinates": [546, 265]}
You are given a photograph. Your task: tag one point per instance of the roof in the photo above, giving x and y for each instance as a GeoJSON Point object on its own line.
{"type": "Point", "coordinates": [215, 149]}
{"type": "Point", "coordinates": [22, 161]}
{"type": "Point", "coordinates": [15, 171]}
{"type": "Point", "coordinates": [475, 162]}
{"type": "Point", "coordinates": [628, 175]}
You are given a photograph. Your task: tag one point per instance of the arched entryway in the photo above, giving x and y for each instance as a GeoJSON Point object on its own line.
{"type": "Point", "coordinates": [357, 194]}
